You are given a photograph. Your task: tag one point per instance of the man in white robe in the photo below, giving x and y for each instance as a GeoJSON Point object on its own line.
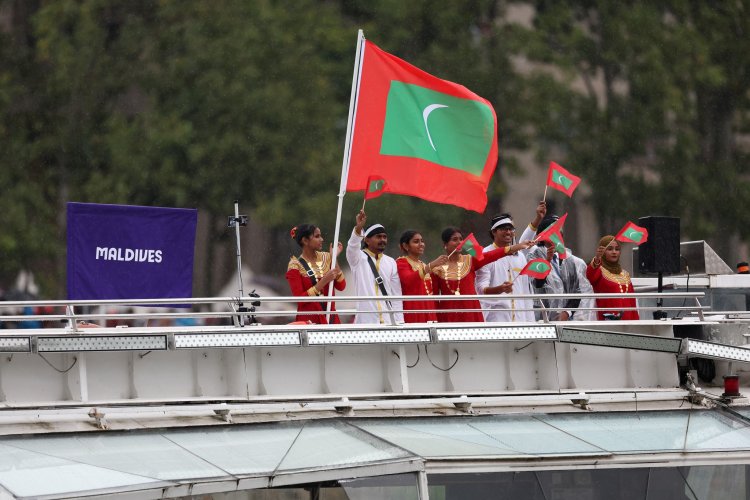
{"type": "Point", "coordinates": [361, 262]}
{"type": "Point", "coordinates": [501, 277]}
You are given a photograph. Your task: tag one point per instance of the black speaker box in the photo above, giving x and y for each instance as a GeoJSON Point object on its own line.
{"type": "Point", "coordinates": [661, 252]}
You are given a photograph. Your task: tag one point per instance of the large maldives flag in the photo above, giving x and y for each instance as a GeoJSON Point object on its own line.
{"type": "Point", "coordinates": [427, 137]}
{"type": "Point", "coordinates": [130, 252]}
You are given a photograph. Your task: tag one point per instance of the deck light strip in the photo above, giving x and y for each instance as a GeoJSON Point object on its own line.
{"type": "Point", "coordinates": [717, 351]}
{"type": "Point", "coordinates": [188, 341]}
{"type": "Point", "coordinates": [474, 334]}
{"type": "Point", "coordinates": [102, 343]}
{"type": "Point", "coordinates": [15, 344]}
{"type": "Point", "coordinates": [410, 336]}
{"type": "Point", "coordinates": [620, 340]}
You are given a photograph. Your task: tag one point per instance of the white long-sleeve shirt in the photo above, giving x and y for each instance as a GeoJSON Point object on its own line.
{"type": "Point", "coordinates": [507, 308]}
{"type": "Point", "coordinates": [364, 283]}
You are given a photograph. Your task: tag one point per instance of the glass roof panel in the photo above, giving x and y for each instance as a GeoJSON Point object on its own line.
{"type": "Point", "coordinates": [240, 450]}
{"type": "Point", "coordinates": [28, 474]}
{"type": "Point", "coordinates": [127, 461]}
{"type": "Point", "coordinates": [438, 437]}
{"type": "Point", "coordinates": [330, 444]}
{"type": "Point", "coordinates": [529, 435]}
{"type": "Point", "coordinates": [625, 432]}
{"type": "Point", "coordinates": [712, 430]}
{"type": "Point", "coordinates": [145, 454]}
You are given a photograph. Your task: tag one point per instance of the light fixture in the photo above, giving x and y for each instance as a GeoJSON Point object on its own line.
{"type": "Point", "coordinates": [197, 340]}
{"type": "Point", "coordinates": [385, 336]}
{"type": "Point", "coordinates": [102, 343]}
{"type": "Point", "coordinates": [15, 344]}
{"type": "Point", "coordinates": [717, 351]}
{"type": "Point", "coordinates": [480, 333]}
{"type": "Point", "coordinates": [621, 340]}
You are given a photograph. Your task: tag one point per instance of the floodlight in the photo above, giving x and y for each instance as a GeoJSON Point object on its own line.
{"type": "Point", "coordinates": [480, 333]}
{"type": "Point", "coordinates": [395, 336]}
{"type": "Point", "coordinates": [620, 340]}
{"type": "Point", "coordinates": [102, 343]}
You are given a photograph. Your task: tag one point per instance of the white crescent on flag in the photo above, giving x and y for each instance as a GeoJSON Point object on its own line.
{"type": "Point", "coordinates": [425, 114]}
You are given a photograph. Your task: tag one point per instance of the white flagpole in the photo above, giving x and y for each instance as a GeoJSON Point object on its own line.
{"type": "Point", "coordinates": [347, 150]}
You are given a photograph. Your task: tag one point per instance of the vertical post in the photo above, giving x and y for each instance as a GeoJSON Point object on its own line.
{"type": "Point", "coordinates": [236, 223]}
{"type": "Point", "coordinates": [423, 486]}
{"type": "Point", "coordinates": [659, 314]}
{"type": "Point", "coordinates": [347, 151]}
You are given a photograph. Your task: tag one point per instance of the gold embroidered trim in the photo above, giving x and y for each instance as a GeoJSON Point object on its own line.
{"type": "Point", "coordinates": [463, 266]}
{"type": "Point", "coordinates": [416, 265]}
{"type": "Point", "coordinates": [622, 279]}
{"type": "Point", "coordinates": [321, 265]}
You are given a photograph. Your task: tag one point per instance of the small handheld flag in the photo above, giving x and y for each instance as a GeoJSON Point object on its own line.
{"type": "Point", "coordinates": [375, 187]}
{"type": "Point", "coordinates": [554, 234]}
{"type": "Point", "coordinates": [536, 268]}
{"type": "Point", "coordinates": [631, 233]}
{"type": "Point", "coordinates": [562, 180]}
{"type": "Point", "coordinates": [471, 246]}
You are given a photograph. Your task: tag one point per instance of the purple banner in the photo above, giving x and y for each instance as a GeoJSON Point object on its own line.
{"type": "Point", "coordinates": [130, 252]}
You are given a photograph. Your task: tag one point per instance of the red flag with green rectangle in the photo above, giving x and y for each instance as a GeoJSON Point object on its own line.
{"type": "Point", "coordinates": [471, 246]}
{"type": "Point", "coordinates": [632, 233]}
{"type": "Point", "coordinates": [561, 179]}
{"type": "Point", "coordinates": [375, 187]}
{"type": "Point", "coordinates": [537, 268]}
{"type": "Point", "coordinates": [430, 138]}
{"type": "Point", "coordinates": [554, 234]}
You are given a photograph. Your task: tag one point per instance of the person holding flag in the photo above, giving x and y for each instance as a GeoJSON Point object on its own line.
{"type": "Point", "coordinates": [458, 275]}
{"type": "Point", "coordinates": [310, 273]}
{"type": "Point", "coordinates": [375, 274]}
{"type": "Point", "coordinates": [567, 275]}
{"type": "Point", "coordinates": [607, 276]}
{"type": "Point", "coordinates": [502, 276]}
{"type": "Point", "coordinates": [415, 277]}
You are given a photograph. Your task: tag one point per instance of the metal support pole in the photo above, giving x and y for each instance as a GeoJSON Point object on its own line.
{"type": "Point", "coordinates": [235, 222]}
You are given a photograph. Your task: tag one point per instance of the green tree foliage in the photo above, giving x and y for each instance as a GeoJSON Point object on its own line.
{"type": "Point", "coordinates": [190, 103]}
{"type": "Point", "coordinates": [648, 101]}
{"type": "Point", "coordinates": [175, 103]}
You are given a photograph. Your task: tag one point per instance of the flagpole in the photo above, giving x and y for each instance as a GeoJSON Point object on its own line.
{"type": "Point", "coordinates": [544, 198]}
{"type": "Point", "coordinates": [347, 151]}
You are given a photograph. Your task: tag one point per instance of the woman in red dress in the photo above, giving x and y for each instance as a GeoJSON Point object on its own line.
{"type": "Point", "coordinates": [456, 277]}
{"type": "Point", "coordinates": [607, 276]}
{"type": "Point", "coordinates": [415, 277]}
{"type": "Point", "coordinates": [310, 273]}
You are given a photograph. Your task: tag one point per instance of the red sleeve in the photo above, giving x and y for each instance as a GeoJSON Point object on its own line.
{"type": "Point", "coordinates": [593, 274]}
{"type": "Point", "coordinates": [406, 274]}
{"type": "Point", "coordinates": [488, 258]}
{"type": "Point", "coordinates": [295, 283]}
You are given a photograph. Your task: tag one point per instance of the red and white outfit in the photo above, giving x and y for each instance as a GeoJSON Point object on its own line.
{"type": "Point", "coordinates": [605, 281]}
{"type": "Point", "coordinates": [415, 280]}
{"type": "Point", "coordinates": [459, 280]}
{"type": "Point", "coordinates": [302, 286]}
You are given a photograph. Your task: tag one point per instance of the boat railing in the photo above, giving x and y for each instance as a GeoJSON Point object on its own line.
{"type": "Point", "coordinates": [241, 311]}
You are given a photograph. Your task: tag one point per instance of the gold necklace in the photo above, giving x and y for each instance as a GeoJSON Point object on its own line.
{"type": "Point", "coordinates": [622, 279]}
{"type": "Point", "coordinates": [459, 264]}
{"type": "Point", "coordinates": [419, 267]}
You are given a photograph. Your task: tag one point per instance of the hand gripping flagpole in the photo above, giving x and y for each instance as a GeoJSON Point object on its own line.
{"type": "Point", "coordinates": [347, 153]}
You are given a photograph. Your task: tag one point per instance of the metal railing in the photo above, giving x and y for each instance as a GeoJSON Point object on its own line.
{"type": "Point", "coordinates": [75, 314]}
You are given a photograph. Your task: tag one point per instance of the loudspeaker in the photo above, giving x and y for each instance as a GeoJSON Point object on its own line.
{"type": "Point", "coordinates": [661, 252]}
